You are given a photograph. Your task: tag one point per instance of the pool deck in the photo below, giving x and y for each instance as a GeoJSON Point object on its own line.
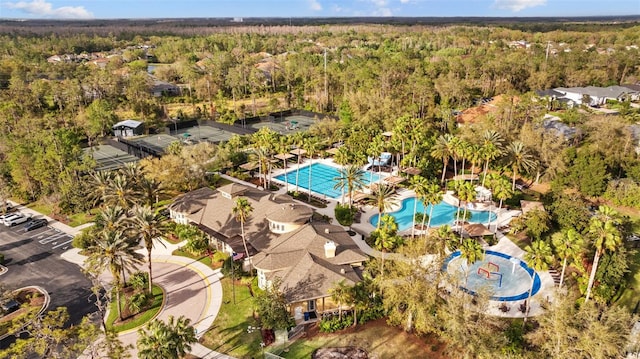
{"type": "Point", "coordinates": [547, 289]}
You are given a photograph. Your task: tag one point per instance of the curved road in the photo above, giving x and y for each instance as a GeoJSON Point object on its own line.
{"type": "Point", "coordinates": [191, 290]}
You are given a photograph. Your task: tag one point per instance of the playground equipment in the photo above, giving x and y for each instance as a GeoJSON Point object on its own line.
{"type": "Point", "coordinates": [490, 274]}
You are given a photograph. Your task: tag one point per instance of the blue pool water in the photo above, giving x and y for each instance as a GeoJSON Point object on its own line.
{"type": "Point", "coordinates": [322, 179]}
{"type": "Point", "coordinates": [443, 213]}
{"type": "Point", "coordinates": [506, 278]}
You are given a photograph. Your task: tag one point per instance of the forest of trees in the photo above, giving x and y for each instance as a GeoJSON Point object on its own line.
{"type": "Point", "coordinates": [373, 77]}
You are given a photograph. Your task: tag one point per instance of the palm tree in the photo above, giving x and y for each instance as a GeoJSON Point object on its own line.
{"type": "Point", "coordinates": [419, 185]}
{"type": "Point", "coordinates": [500, 189]}
{"type": "Point", "coordinates": [351, 178]}
{"type": "Point", "coordinates": [433, 196]}
{"type": "Point", "coordinates": [311, 145]}
{"type": "Point", "coordinates": [168, 341]}
{"type": "Point", "coordinates": [242, 210]}
{"type": "Point", "coordinates": [150, 191]}
{"type": "Point", "coordinates": [606, 237]}
{"type": "Point", "coordinates": [520, 160]}
{"type": "Point", "coordinates": [298, 140]}
{"type": "Point", "coordinates": [442, 149]}
{"type": "Point", "coordinates": [383, 198]}
{"type": "Point", "coordinates": [471, 251]}
{"type": "Point", "coordinates": [115, 252]}
{"type": "Point", "coordinates": [110, 218]}
{"type": "Point", "coordinates": [121, 192]}
{"type": "Point", "coordinates": [567, 244]}
{"type": "Point", "coordinates": [100, 183]}
{"type": "Point", "coordinates": [147, 226]}
{"type": "Point", "coordinates": [282, 148]}
{"type": "Point", "coordinates": [386, 238]}
{"type": "Point", "coordinates": [538, 255]}
{"type": "Point", "coordinates": [462, 150]}
{"type": "Point", "coordinates": [474, 156]}
{"type": "Point", "coordinates": [341, 293]}
{"type": "Point", "coordinates": [491, 149]}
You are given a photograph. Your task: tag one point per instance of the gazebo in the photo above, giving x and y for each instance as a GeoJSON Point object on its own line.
{"type": "Point", "coordinates": [477, 230]}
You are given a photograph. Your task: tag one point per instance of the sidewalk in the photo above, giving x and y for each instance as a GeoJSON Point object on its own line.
{"type": "Point", "coordinates": [51, 222]}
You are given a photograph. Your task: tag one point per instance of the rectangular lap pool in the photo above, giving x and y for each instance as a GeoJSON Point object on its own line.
{"type": "Point", "coordinates": [322, 179]}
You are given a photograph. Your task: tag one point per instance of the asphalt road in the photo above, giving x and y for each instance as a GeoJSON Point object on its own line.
{"type": "Point", "coordinates": [33, 258]}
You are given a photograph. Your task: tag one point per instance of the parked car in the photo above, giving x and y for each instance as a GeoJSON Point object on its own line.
{"type": "Point", "coordinates": [9, 306]}
{"type": "Point", "coordinates": [8, 216]}
{"type": "Point", "coordinates": [35, 224]}
{"type": "Point", "coordinates": [14, 221]}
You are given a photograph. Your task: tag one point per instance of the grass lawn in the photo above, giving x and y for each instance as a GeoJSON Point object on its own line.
{"type": "Point", "coordinates": [377, 338]}
{"type": "Point", "coordinates": [139, 319]}
{"type": "Point", "coordinates": [206, 260]}
{"type": "Point", "coordinates": [72, 220]}
{"type": "Point", "coordinates": [228, 334]}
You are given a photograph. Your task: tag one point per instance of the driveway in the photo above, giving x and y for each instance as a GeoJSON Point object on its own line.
{"type": "Point", "coordinates": [192, 290]}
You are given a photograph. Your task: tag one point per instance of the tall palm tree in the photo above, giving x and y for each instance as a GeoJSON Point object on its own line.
{"type": "Point", "coordinates": [312, 146]}
{"type": "Point", "coordinates": [471, 251]}
{"type": "Point", "coordinates": [419, 185]}
{"type": "Point", "coordinates": [475, 157]}
{"type": "Point", "coordinates": [567, 244]}
{"type": "Point", "coordinates": [111, 218]}
{"type": "Point", "coordinates": [242, 211]}
{"type": "Point", "coordinates": [432, 195]}
{"type": "Point", "coordinates": [387, 238]}
{"type": "Point", "coordinates": [100, 182]}
{"type": "Point", "coordinates": [150, 191]}
{"type": "Point", "coordinates": [520, 160]}
{"type": "Point", "coordinates": [442, 149]}
{"type": "Point", "coordinates": [500, 189]}
{"type": "Point", "coordinates": [383, 198]}
{"type": "Point", "coordinates": [491, 148]}
{"type": "Point", "coordinates": [606, 236]}
{"type": "Point", "coordinates": [538, 255]}
{"type": "Point", "coordinates": [114, 252]}
{"type": "Point", "coordinates": [169, 341]}
{"type": "Point", "coordinates": [462, 150]}
{"type": "Point", "coordinates": [351, 178]}
{"type": "Point", "coordinates": [121, 192]}
{"type": "Point", "coordinates": [147, 226]}
{"type": "Point", "coordinates": [298, 140]}
{"type": "Point", "coordinates": [282, 147]}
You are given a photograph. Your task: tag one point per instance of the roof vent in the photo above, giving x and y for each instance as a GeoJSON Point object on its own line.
{"type": "Point", "coordinates": [326, 230]}
{"type": "Point", "coordinates": [342, 271]}
{"type": "Point", "coordinates": [330, 249]}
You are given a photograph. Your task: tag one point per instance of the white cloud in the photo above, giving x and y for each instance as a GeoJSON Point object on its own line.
{"type": "Point", "coordinates": [517, 5]}
{"type": "Point", "coordinates": [315, 5]}
{"type": "Point", "coordinates": [380, 3]}
{"type": "Point", "coordinates": [45, 9]}
{"type": "Point", "coordinates": [383, 11]}
{"type": "Point", "coordinates": [404, 1]}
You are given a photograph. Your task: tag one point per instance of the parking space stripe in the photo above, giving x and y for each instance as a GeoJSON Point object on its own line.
{"type": "Point", "coordinates": [52, 238]}
{"type": "Point", "coordinates": [62, 244]}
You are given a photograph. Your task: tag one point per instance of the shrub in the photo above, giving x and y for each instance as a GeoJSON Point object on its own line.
{"type": "Point", "coordinates": [220, 256]}
{"type": "Point", "coordinates": [139, 280]}
{"type": "Point", "coordinates": [84, 239]}
{"type": "Point", "coordinates": [334, 323]}
{"type": "Point", "coordinates": [345, 214]}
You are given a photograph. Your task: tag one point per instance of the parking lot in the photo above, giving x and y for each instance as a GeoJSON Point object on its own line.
{"type": "Point", "coordinates": [33, 258]}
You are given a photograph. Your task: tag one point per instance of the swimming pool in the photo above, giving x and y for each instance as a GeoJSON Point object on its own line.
{"type": "Point", "coordinates": [443, 213]}
{"type": "Point", "coordinates": [322, 179]}
{"type": "Point", "coordinates": [507, 278]}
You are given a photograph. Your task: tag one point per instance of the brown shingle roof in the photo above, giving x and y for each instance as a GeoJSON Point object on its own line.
{"type": "Point", "coordinates": [193, 201]}
{"type": "Point", "coordinates": [290, 213]}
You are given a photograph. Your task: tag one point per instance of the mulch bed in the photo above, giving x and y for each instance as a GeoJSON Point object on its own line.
{"type": "Point", "coordinates": [340, 353]}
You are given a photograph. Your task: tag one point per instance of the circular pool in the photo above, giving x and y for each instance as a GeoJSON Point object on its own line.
{"type": "Point", "coordinates": [507, 278]}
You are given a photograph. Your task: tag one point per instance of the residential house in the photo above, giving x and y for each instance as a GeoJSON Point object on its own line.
{"type": "Point", "coordinates": [555, 125]}
{"type": "Point", "coordinates": [160, 88]}
{"type": "Point", "coordinates": [597, 96]}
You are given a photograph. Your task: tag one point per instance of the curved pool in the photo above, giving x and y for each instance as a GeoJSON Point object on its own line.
{"type": "Point", "coordinates": [507, 278]}
{"type": "Point", "coordinates": [443, 213]}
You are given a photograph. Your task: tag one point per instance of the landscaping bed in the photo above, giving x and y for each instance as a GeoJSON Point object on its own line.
{"type": "Point", "coordinates": [34, 300]}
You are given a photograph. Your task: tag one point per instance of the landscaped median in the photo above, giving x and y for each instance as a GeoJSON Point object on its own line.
{"type": "Point", "coordinates": [137, 306]}
{"type": "Point", "coordinates": [32, 301]}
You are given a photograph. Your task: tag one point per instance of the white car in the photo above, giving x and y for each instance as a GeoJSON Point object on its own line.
{"type": "Point", "coordinates": [13, 221]}
{"type": "Point", "coordinates": [7, 216]}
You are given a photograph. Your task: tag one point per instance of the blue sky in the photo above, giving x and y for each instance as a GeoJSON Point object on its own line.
{"type": "Point", "coordinates": [108, 9]}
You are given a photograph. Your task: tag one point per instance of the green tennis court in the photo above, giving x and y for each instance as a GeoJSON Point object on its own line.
{"type": "Point", "coordinates": [108, 157]}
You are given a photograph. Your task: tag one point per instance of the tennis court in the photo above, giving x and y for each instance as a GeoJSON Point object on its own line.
{"type": "Point", "coordinates": [108, 157]}
{"type": "Point", "coordinates": [322, 179]}
{"type": "Point", "coordinates": [157, 143]}
{"type": "Point", "coordinates": [288, 124]}
{"type": "Point", "coordinates": [204, 133]}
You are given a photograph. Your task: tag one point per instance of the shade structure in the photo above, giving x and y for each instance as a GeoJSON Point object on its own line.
{"type": "Point", "coordinates": [394, 180]}
{"type": "Point", "coordinates": [332, 151]}
{"type": "Point", "coordinates": [412, 171]}
{"type": "Point", "coordinates": [528, 206]}
{"type": "Point", "coordinates": [387, 134]}
{"type": "Point", "coordinates": [249, 166]}
{"type": "Point", "coordinates": [359, 196]}
{"type": "Point", "coordinates": [465, 177]}
{"type": "Point", "coordinates": [298, 152]}
{"type": "Point", "coordinates": [477, 230]}
{"type": "Point", "coordinates": [284, 156]}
